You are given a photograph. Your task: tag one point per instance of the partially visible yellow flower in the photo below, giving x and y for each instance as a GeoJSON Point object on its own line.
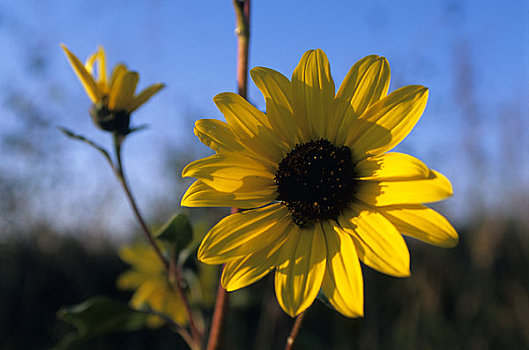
{"type": "Point", "coordinates": [149, 279]}
{"type": "Point", "coordinates": [321, 189]}
{"type": "Point", "coordinates": [114, 98]}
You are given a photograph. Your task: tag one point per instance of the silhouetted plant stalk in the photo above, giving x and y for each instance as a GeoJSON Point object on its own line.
{"type": "Point", "coordinates": [173, 270]}
{"type": "Point", "coordinates": [242, 29]}
{"type": "Point", "coordinates": [294, 332]}
{"type": "Point", "coordinates": [193, 336]}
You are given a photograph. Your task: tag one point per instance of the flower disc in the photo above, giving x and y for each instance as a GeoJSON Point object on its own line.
{"type": "Point", "coordinates": [315, 181]}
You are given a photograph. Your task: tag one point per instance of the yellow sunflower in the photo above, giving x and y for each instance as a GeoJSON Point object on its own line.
{"type": "Point", "coordinates": [148, 278]}
{"type": "Point", "coordinates": [113, 99]}
{"type": "Point", "coordinates": [319, 189]}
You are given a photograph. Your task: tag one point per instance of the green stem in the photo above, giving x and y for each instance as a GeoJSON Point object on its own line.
{"type": "Point", "coordinates": [170, 267]}
{"type": "Point", "coordinates": [118, 170]}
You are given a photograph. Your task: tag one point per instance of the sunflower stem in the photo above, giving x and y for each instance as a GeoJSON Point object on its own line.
{"type": "Point", "coordinates": [219, 316]}
{"type": "Point", "coordinates": [294, 332]}
{"type": "Point", "coordinates": [169, 266]}
{"type": "Point", "coordinates": [120, 174]}
{"type": "Point", "coordinates": [242, 29]}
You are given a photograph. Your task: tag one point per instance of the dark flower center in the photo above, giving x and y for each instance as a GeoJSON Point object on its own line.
{"type": "Point", "coordinates": [110, 120]}
{"type": "Point", "coordinates": [315, 181]}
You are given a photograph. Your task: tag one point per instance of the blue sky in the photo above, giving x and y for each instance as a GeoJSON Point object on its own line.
{"type": "Point", "coordinates": [190, 46]}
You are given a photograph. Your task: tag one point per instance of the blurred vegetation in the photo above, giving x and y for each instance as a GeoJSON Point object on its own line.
{"type": "Point", "coordinates": [474, 296]}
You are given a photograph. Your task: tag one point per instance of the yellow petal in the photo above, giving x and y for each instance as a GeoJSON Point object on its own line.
{"type": "Point", "coordinates": [313, 94]}
{"type": "Point", "coordinates": [243, 233]}
{"type": "Point", "coordinates": [158, 295]}
{"type": "Point", "coordinates": [247, 270]}
{"type": "Point", "coordinates": [144, 292]}
{"type": "Point", "coordinates": [250, 126]}
{"type": "Point", "coordinates": [122, 93]}
{"type": "Point", "coordinates": [342, 284]}
{"type": "Point", "coordinates": [117, 71]}
{"type": "Point", "coordinates": [434, 188]}
{"type": "Point", "coordinates": [142, 257]}
{"type": "Point", "coordinates": [378, 243]}
{"type": "Point", "coordinates": [422, 223]}
{"type": "Point", "coordinates": [89, 64]}
{"type": "Point", "coordinates": [102, 65]}
{"type": "Point", "coordinates": [299, 275]}
{"type": "Point", "coordinates": [277, 91]}
{"type": "Point", "coordinates": [243, 272]}
{"type": "Point", "coordinates": [230, 172]}
{"type": "Point", "coordinates": [153, 322]}
{"type": "Point", "coordinates": [217, 135]}
{"type": "Point", "coordinates": [201, 195]}
{"type": "Point", "coordinates": [173, 306]}
{"type": "Point", "coordinates": [365, 83]}
{"type": "Point", "coordinates": [86, 79]}
{"type": "Point", "coordinates": [131, 279]}
{"type": "Point", "coordinates": [145, 95]}
{"type": "Point", "coordinates": [387, 122]}
{"type": "Point", "coordinates": [391, 166]}
{"type": "Point", "coordinates": [166, 301]}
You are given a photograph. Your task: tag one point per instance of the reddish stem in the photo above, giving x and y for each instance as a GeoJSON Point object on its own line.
{"type": "Point", "coordinates": [219, 315]}
{"type": "Point", "coordinates": [294, 333]}
{"type": "Point", "coordinates": [242, 12]}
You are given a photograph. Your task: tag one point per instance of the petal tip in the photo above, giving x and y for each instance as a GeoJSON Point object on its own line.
{"type": "Point", "coordinates": [185, 171]}
{"type": "Point", "coordinates": [451, 241]}
{"type": "Point", "coordinates": [185, 202]}
{"type": "Point", "coordinates": [201, 255]}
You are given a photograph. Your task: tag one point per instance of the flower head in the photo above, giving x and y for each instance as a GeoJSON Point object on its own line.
{"type": "Point", "coordinates": [149, 280]}
{"type": "Point", "coordinates": [113, 98]}
{"type": "Point", "coordinates": [321, 192]}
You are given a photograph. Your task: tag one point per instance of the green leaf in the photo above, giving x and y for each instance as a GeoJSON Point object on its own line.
{"type": "Point", "coordinates": [176, 231]}
{"type": "Point", "coordinates": [98, 316]}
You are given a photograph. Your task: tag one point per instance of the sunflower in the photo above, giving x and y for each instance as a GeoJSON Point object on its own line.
{"type": "Point", "coordinates": [113, 99]}
{"type": "Point", "coordinates": [152, 289]}
{"type": "Point", "coordinates": [318, 189]}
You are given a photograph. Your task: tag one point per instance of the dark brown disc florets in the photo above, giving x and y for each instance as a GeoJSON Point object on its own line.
{"type": "Point", "coordinates": [315, 181]}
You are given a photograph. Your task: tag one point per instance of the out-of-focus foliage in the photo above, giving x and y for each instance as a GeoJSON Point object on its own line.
{"type": "Point", "coordinates": [177, 231]}
{"type": "Point", "coordinates": [42, 271]}
{"type": "Point", "coordinates": [150, 283]}
{"type": "Point", "coordinates": [474, 296]}
{"type": "Point", "coordinates": [99, 316]}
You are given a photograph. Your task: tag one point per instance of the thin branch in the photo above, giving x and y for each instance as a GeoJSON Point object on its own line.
{"type": "Point", "coordinates": [195, 339]}
{"type": "Point", "coordinates": [177, 328]}
{"type": "Point", "coordinates": [242, 13]}
{"type": "Point", "coordinates": [176, 272]}
{"type": "Point", "coordinates": [219, 315]}
{"type": "Point", "coordinates": [91, 143]}
{"type": "Point", "coordinates": [173, 271]}
{"type": "Point", "coordinates": [118, 169]}
{"type": "Point", "coordinates": [242, 29]}
{"type": "Point", "coordinates": [294, 332]}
